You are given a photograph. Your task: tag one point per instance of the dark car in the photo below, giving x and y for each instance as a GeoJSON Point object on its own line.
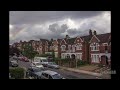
{"type": "Point", "coordinates": [13, 63]}
{"type": "Point", "coordinates": [53, 65]}
{"type": "Point", "coordinates": [50, 58]}
{"type": "Point", "coordinates": [34, 72]}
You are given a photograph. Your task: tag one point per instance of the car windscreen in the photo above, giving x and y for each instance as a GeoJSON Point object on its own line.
{"type": "Point", "coordinates": [52, 63]}
{"type": "Point", "coordinates": [38, 64]}
{"type": "Point", "coordinates": [44, 60]}
{"type": "Point", "coordinates": [57, 76]}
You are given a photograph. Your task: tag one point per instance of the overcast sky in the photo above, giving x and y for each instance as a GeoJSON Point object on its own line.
{"type": "Point", "coordinates": [33, 25]}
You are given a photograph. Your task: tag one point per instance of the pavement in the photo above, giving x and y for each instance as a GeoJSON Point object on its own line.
{"type": "Point", "coordinates": [81, 71]}
{"type": "Point", "coordinates": [98, 75]}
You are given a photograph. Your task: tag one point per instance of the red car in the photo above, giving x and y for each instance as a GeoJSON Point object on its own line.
{"type": "Point", "coordinates": [24, 59]}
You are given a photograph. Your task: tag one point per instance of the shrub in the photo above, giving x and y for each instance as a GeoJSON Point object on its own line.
{"type": "Point", "coordinates": [80, 62]}
{"type": "Point", "coordinates": [17, 73]}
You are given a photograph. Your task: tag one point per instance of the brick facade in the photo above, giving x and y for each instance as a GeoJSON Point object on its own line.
{"type": "Point", "coordinates": [92, 48]}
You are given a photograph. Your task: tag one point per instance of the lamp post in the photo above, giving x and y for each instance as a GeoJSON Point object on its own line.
{"type": "Point", "coordinates": [76, 63]}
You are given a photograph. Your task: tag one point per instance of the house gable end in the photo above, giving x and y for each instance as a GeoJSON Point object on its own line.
{"type": "Point", "coordinates": [94, 39]}
{"type": "Point", "coordinates": [78, 40]}
{"type": "Point", "coordinates": [63, 42]}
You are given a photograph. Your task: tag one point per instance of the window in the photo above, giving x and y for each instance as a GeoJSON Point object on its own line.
{"type": "Point", "coordinates": [79, 46]}
{"type": "Point", "coordinates": [63, 55]}
{"type": "Point", "coordinates": [68, 56]}
{"type": "Point", "coordinates": [51, 47]}
{"type": "Point", "coordinates": [95, 58]}
{"type": "Point", "coordinates": [69, 47]}
{"type": "Point", "coordinates": [50, 77]}
{"type": "Point", "coordinates": [73, 48]}
{"type": "Point", "coordinates": [45, 75]}
{"type": "Point", "coordinates": [79, 56]}
{"type": "Point", "coordinates": [63, 47]}
{"type": "Point", "coordinates": [55, 47]}
{"type": "Point", "coordinates": [46, 48]}
{"type": "Point", "coordinates": [94, 46]}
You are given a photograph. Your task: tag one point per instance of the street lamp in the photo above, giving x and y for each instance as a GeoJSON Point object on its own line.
{"type": "Point", "coordinates": [76, 63]}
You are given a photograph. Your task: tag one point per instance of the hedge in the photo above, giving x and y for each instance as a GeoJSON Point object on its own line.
{"type": "Point", "coordinates": [17, 73]}
{"type": "Point", "coordinates": [80, 62]}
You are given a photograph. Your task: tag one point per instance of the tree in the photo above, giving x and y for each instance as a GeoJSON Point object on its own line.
{"type": "Point", "coordinates": [29, 52]}
{"type": "Point", "coordinates": [53, 55]}
{"type": "Point", "coordinates": [13, 50]}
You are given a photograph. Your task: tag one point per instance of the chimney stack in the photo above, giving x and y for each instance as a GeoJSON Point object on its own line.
{"type": "Point", "coordinates": [67, 37]}
{"type": "Point", "coordinates": [95, 32]}
{"type": "Point", "coordinates": [90, 32]}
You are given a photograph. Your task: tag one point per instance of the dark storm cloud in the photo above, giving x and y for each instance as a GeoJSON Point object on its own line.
{"type": "Point", "coordinates": [27, 17]}
{"type": "Point", "coordinates": [27, 25]}
{"type": "Point", "coordinates": [55, 28]}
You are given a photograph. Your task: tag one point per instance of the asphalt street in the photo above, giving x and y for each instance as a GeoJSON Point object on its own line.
{"type": "Point", "coordinates": [66, 74]}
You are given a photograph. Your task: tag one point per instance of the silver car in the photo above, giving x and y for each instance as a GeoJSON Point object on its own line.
{"type": "Point", "coordinates": [14, 63]}
{"type": "Point", "coordinates": [52, 65]}
{"type": "Point", "coordinates": [48, 74]}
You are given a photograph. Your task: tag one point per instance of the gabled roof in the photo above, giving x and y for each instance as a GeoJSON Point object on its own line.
{"type": "Point", "coordinates": [59, 40]}
{"type": "Point", "coordinates": [70, 41]}
{"type": "Point", "coordinates": [43, 40]}
{"type": "Point", "coordinates": [86, 38]}
{"type": "Point", "coordinates": [103, 37]}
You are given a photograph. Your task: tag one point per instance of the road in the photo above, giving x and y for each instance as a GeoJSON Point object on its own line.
{"type": "Point", "coordinates": [66, 74]}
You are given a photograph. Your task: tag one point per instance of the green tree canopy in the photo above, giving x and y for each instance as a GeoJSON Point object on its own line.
{"type": "Point", "coordinates": [29, 52]}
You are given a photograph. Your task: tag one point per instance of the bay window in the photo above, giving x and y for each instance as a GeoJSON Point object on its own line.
{"type": "Point", "coordinates": [79, 46]}
{"type": "Point", "coordinates": [63, 47]}
{"type": "Point", "coordinates": [94, 46]}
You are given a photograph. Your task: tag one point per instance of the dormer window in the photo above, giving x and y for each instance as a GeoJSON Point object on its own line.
{"type": "Point", "coordinates": [94, 46]}
{"type": "Point", "coordinates": [63, 47]}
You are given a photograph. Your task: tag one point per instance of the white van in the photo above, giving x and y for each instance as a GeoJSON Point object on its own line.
{"type": "Point", "coordinates": [42, 60]}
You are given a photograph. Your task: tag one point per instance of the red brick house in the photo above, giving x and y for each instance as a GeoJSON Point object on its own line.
{"type": "Point", "coordinates": [100, 48]}
{"type": "Point", "coordinates": [93, 48]}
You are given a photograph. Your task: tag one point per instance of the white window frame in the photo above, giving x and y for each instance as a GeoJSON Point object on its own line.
{"type": "Point", "coordinates": [95, 58]}
{"type": "Point", "coordinates": [92, 46]}
{"type": "Point", "coordinates": [63, 49]}
{"type": "Point", "coordinates": [73, 48]}
{"type": "Point", "coordinates": [55, 47]}
{"type": "Point", "coordinates": [79, 56]}
{"type": "Point", "coordinates": [63, 56]}
{"type": "Point", "coordinates": [69, 47]}
{"type": "Point", "coordinates": [51, 47]}
{"type": "Point", "coordinates": [46, 48]}
{"type": "Point", "coordinates": [79, 46]}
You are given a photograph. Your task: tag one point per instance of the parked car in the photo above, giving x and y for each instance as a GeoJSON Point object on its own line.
{"type": "Point", "coordinates": [25, 59]}
{"type": "Point", "coordinates": [42, 60]}
{"type": "Point", "coordinates": [36, 64]}
{"type": "Point", "coordinates": [34, 72]}
{"type": "Point", "coordinates": [50, 58]}
{"type": "Point", "coordinates": [20, 58]}
{"type": "Point", "coordinates": [48, 74]}
{"type": "Point", "coordinates": [53, 65]}
{"type": "Point", "coordinates": [13, 63]}
{"type": "Point", "coordinates": [15, 57]}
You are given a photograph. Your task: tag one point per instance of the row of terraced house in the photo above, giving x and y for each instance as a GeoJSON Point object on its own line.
{"type": "Point", "coordinates": [95, 48]}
